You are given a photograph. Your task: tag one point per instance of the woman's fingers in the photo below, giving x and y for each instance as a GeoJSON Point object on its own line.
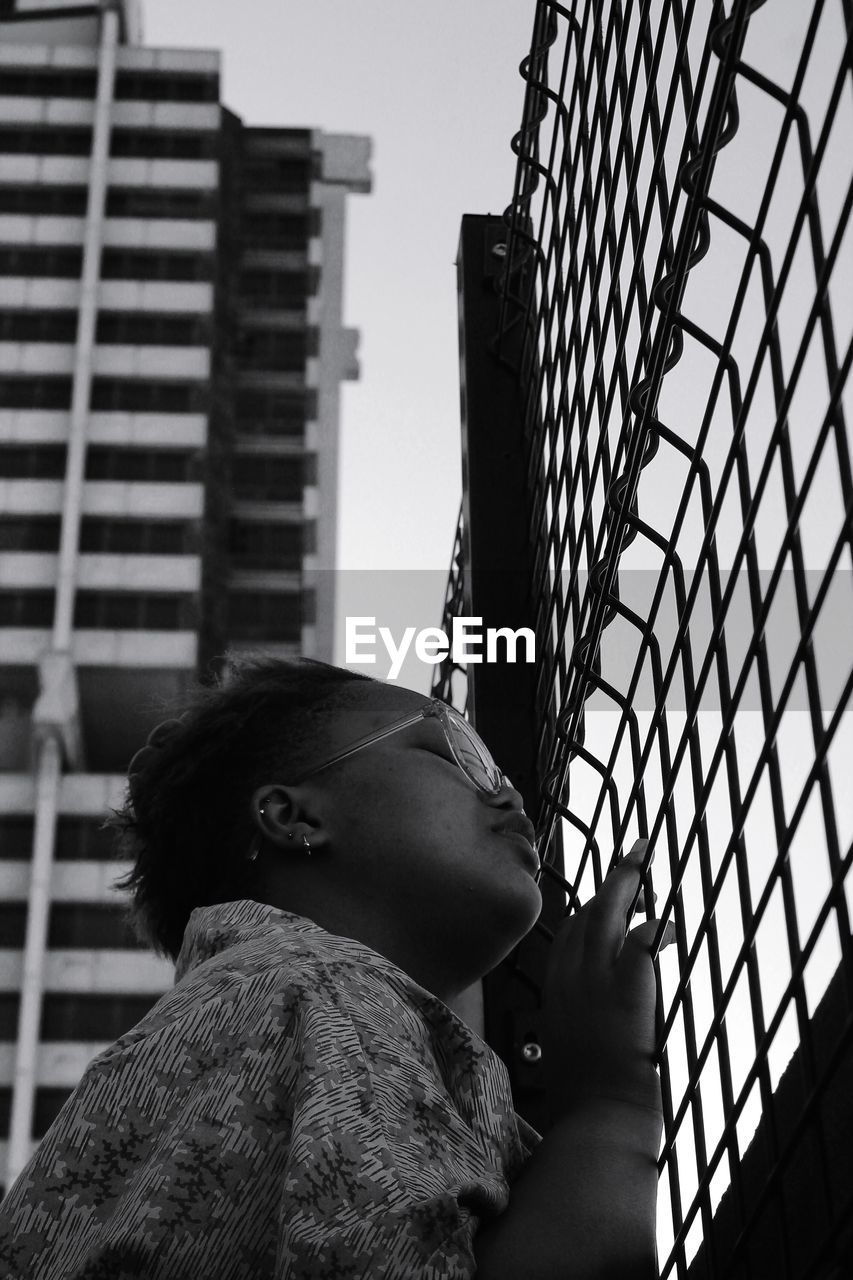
{"type": "Point", "coordinates": [610, 908]}
{"type": "Point", "coordinates": [644, 935]}
{"type": "Point", "coordinates": [599, 930]}
{"type": "Point", "coordinates": [568, 945]}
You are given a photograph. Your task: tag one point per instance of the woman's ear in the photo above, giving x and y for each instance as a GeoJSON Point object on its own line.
{"type": "Point", "coordinates": [280, 817]}
{"type": "Point", "coordinates": [272, 811]}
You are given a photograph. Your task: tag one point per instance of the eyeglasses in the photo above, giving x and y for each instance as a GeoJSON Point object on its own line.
{"type": "Point", "coordinates": [467, 748]}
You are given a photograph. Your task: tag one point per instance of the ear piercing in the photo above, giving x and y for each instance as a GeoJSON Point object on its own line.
{"type": "Point", "coordinates": [255, 846]}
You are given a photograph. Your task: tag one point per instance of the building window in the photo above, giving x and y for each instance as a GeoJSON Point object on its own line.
{"type": "Point", "coordinates": [270, 478]}
{"type": "Point", "coordinates": [130, 327]}
{"type": "Point", "coordinates": [267, 478]}
{"type": "Point", "coordinates": [280, 174]}
{"type": "Point", "coordinates": [48, 1104]}
{"type": "Point", "coordinates": [16, 837]}
{"type": "Point", "coordinates": [141, 328]}
{"type": "Point", "coordinates": [164, 144]}
{"type": "Point", "coordinates": [106, 462]}
{"type": "Point", "coordinates": [135, 611]}
{"type": "Point", "coordinates": [90, 925]}
{"type": "Point", "coordinates": [78, 839]}
{"type": "Point", "coordinates": [38, 326]}
{"type": "Point", "coordinates": [159, 202]}
{"type": "Point", "coordinates": [135, 395]}
{"type": "Point", "coordinates": [13, 924]}
{"type": "Point", "coordinates": [273, 140]}
{"type": "Point", "coordinates": [35, 393]}
{"type": "Point", "coordinates": [139, 264]}
{"type": "Point", "coordinates": [91, 1017]}
{"type": "Point", "coordinates": [253, 544]}
{"type": "Point", "coordinates": [48, 141]}
{"type": "Point", "coordinates": [63, 202]}
{"type": "Point", "coordinates": [286, 290]}
{"type": "Point", "coordinates": [282, 350]}
{"type": "Point", "coordinates": [9, 1002]}
{"type": "Point", "coordinates": [62, 261]}
{"type": "Point", "coordinates": [47, 83]}
{"type": "Point", "coordinates": [26, 608]}
{"type": "Point", "coordinates": [138, 537]}
{"type": "Point", "coordinates": [29, 533]}
{"type": "Point", "coordinates": [83, 840]}
{"type": "Point", "coordinates": [274, 230]}
{"type": "Point", "coordinates": [32, 462]}
{"type": "Point", "coordinates": [264, 411]}
{"type": "Point", "coordinates": [154, 86]}
{"type": "Point", "coordinates": [275, 617]}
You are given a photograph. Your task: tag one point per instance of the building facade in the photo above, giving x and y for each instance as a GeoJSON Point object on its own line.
{"type": "Point", "coordinates": [171, 353]}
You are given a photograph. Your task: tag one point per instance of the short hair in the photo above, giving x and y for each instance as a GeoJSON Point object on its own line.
{"type": "Point", "coordinates": [186, 820]}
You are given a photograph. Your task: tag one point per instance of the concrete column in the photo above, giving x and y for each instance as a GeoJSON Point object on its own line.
{"type": "Point", "coordinates": [26, 1060]}
{"type": "Point", "coordinates": [82, 384]}
{"type": "Point", "coordinates": [324, 374]}
{"type": "Point", "coordinates": [55, 715]}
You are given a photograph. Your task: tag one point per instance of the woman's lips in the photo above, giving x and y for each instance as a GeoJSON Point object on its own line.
{"type": "Point", "coordinates": [531, 856]}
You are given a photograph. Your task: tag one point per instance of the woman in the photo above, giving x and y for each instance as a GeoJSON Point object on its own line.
{"type": "Point", "coordinates": [331, 860]}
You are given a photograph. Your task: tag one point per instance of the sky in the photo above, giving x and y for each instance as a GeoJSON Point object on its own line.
{"type": "Point", "coordinates": [436, 86]}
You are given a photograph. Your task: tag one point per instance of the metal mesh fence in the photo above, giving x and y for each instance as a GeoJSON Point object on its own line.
{"type": "Point", "coordinates": [681, 213]}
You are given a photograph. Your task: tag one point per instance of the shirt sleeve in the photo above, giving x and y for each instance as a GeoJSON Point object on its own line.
{"type": "Point", "coordinates": [262, 1132]}
{"type": "Point", "coordinates": [384, 1175]}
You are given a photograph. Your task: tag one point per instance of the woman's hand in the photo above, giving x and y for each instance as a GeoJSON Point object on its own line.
{"type": "Point", "coordinates": [588, 1193]}
{"type": "Point", "coordinates": [600, 997]}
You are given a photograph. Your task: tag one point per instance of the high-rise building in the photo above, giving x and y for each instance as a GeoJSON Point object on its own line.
{"type": "Point", "coordinates": [171, 353]}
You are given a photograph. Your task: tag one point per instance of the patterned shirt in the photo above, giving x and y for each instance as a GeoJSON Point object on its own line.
{"type": "Point", "coordinates": [296, 1107]}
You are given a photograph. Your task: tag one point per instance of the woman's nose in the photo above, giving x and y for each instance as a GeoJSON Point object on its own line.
{"type": "Point", "coordinates": [507, 797]}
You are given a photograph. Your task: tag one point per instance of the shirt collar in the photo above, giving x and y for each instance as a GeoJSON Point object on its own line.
{"type": "Point", "coordinates": [213, 929]}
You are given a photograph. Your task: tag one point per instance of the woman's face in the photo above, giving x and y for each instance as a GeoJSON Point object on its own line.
{"type": "Point", "coordinates": [411, 850]}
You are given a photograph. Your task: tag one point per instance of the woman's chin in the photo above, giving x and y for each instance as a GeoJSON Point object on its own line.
{"type": "Point", "coordinates": [520, 908]}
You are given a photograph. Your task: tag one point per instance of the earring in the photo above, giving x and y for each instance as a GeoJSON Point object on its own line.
{"type": "Point", "coordinates": [307, 843]}
{"type": "Point", "coordinates": [254, 849]}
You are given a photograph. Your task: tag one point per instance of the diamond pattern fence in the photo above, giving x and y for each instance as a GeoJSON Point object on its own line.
{"type": "Point", "coordinates": [676, 302]}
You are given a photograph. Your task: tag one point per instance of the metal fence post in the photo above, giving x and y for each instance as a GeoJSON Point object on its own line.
{"type": "Point", "coordinates": [497, 574]}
